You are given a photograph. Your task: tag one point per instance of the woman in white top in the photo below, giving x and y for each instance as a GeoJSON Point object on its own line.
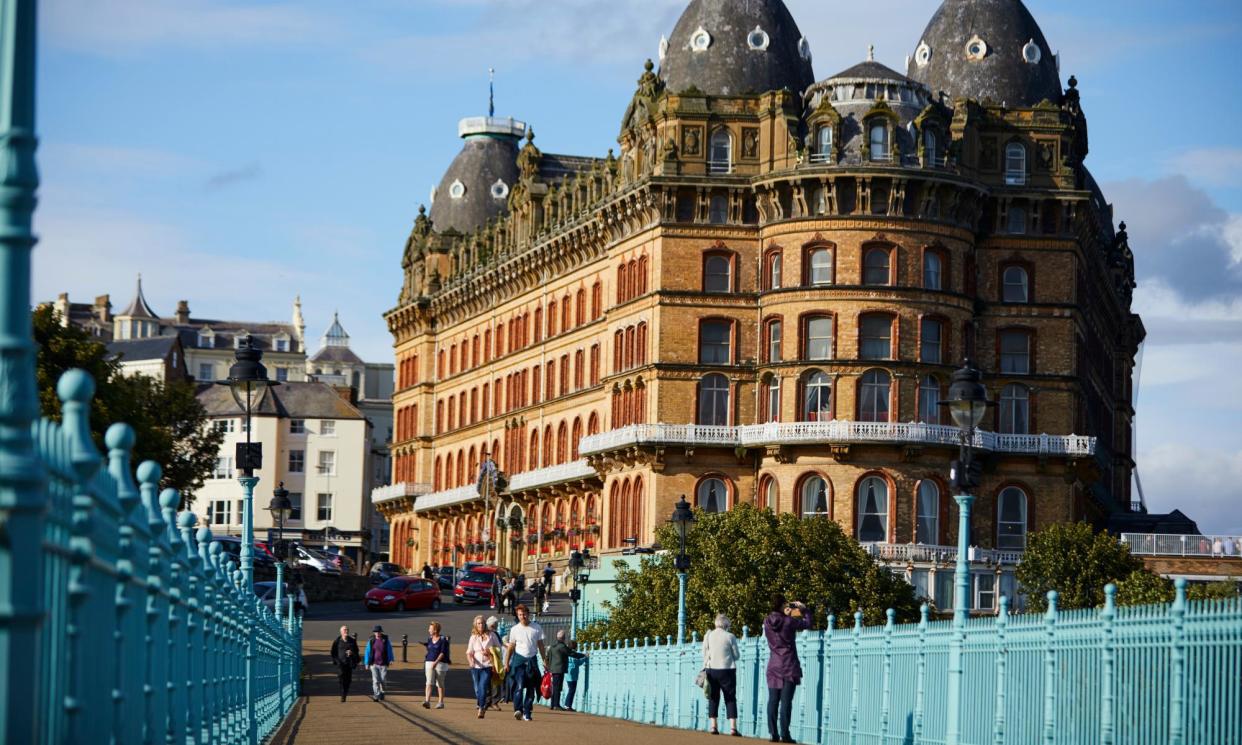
{"type": "Point", "coordinates": [720, 655]}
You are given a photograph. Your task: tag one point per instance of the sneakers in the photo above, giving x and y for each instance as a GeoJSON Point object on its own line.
{"type": "Point", "coordinates": [440, 705]}
{"type": "Point", "coordinates": [526, 718]}
{"type": "Point", "coordinates": [570, 708]}
{"type": "Point", "coordinates": [426, 704]}
{"type": "Point", "coordinates": [517, 715]}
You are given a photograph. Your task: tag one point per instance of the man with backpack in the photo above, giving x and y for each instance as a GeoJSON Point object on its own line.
{"type": "Point", "coordinates": [377, 659]}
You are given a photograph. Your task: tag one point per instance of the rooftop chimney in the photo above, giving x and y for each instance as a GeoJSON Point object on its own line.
{"type": "Point", "coordinates": [103, 308]}
{"type": "Point", "coordinates": [182, 316]}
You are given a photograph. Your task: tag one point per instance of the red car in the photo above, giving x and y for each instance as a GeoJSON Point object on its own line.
{"type": "Point", "coordinates": [475, 584]}
{"type": "Point", "coordinates": [403, 593]}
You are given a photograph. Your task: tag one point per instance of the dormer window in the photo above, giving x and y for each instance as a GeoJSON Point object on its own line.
{"type": "Point", "coordinates": [878, 138]}
{"type": "Point", "coordinates": [1015, 164]}
{"type": "Point", "coordinates": [206, 339]}
{"type": "Point", "coordinates": [930, 150]}
{"type": "Point", "coordinates": [700, 40]}
{"type": "Point", "coordinates": [281, 344]}
{"type": "Point", "coordinates": [720, 158]}
{"type": "Point", "coordinates": [500, 189]}
{"type": "Point", "coordinates": [457, 190]}
{"type": "Point", "coordinates": [823, 145]}
{"type": "Point", "coordinates": [757, 40]}
{"type": "Point", "coordinates": [238, 338]}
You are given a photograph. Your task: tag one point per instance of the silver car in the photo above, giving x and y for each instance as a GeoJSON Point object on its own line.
{"type": "Point", "coordinates": [266, 592]}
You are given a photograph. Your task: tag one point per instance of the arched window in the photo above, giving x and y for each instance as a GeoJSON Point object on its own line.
{"type": "Point", "coordinates": [1015, 351]}
{"type": "Point", "coordinates": [714, 400]}
{"type": "Point", "coordinates": [720, 156]}
{"type": "Point", "coordinates": [718, 210]}
{"type": "Point", "coordinates": [823, 145]}
{"type": "Point", "coordinates": [717, 273]}
{"type": "Point", "coordinates": [929, 400]}
{"type": "Point", "coordinates": [712, 495]}
{"type": "Point", "coordinates": [1015, 410]}
{"type": "Point", "coordinates": [878, 134]}
{"type": "Point", "coordinates": [932, 269]}
{"type": "Point", "coordinates": [927, 528]}
{"type": "Point", "coordinates": [1015, 164]}
{"type": "Point", "coordinates": [774, 340]}
{"type": "Point", "coordinates": [1016, 285]}
{"type": "Point", "coordinates": [775, 266]}
{"type": "Point", "coordinates": [931, 341]}
{"type": "Point", "coordinates": [873, 510]}
{"type": "Point", "coordinates": [875, 336]}
{"type": "Point", "coordinates": [820, 270]}
{"type": "Point", "coordinates": [818, 343]}
{"type": "Point", "coordinates": [873, 404]}
{"type": "Point", "coordinates": [772, 402]}
{"type": "Point", "coordinates": [817, 397]}
{"type": "Point", "coordinates": [1011, 519]}
{"type": "Point", "coordinates": [877, 266]}
{"type": "Point", "coordinates": [930, 157]}
{"type": "Point", "coordinates": [814, 497]}
{"type": "Point", "coordinates": [769, 493]}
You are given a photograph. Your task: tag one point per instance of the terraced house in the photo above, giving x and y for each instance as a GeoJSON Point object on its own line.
{"type": "Point", "coordinates": [759, 297]}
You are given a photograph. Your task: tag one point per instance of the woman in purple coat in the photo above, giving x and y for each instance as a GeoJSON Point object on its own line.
{"type": "Point", "coordinates": [784, 671]}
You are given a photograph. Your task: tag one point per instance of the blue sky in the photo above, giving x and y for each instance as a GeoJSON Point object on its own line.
{"type": "Point", "coordinates": [240, 153]}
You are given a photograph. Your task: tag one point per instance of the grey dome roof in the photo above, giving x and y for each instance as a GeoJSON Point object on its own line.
{"type": "Point", "coordinates": [1015, 67]}
{"type": "Point", "coordinates": [731, 64]}
{"type": "Point", "coordinates": [464, 199]}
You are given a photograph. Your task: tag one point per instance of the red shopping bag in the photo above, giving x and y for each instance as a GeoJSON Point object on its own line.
{"type": "Point", "coordinates": [545, 686]}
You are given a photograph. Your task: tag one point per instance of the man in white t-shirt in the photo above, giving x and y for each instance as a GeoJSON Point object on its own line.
{"type": "Point", "coordinates": [521, 664]}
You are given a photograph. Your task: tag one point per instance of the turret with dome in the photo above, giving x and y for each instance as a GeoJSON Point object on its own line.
{"type": "Point", "coordinates": [761, 295]}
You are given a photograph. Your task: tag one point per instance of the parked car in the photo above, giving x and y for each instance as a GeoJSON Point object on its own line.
{"type": "Point", "coordinates": [312, 559]}
{"type": "Point", "coordinates": [403, 593]}
{"type": "Point", "coordinates": [385, 570]}
{"type": "Point", "coordinates": [475, 585]}
{"type": "Point", "coordinates": [346, 564]}
{"type": "Point", "coordinates": [266, 591]}
{"type": "Point", "coordinates": [447, 577]}
{"type": "Point", "coordinates": [233, 546]}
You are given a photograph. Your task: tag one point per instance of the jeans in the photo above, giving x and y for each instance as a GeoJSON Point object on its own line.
{"type": "Point", "coordinates": [482, 678]}
{"type": "Point", "coordinates": [570, 687]}
{"type": "Point", "coordinates": [718, 682]}
{"type": "Point", "coordinates": [524, 672]}
{"type": "Point", "coordinates": [558, 680]}
{"type": "Point", "coordinates": [782, 697]}
{"type": "Point", "coordinates": [345, 676]}
{"type": "Point", "coordinates": [379, 673]}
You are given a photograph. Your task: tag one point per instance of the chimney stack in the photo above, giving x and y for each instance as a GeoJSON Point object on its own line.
{"type": "Point", "coordinates": [103, 308]}
{"type": "Point", "coordinates": [182, 316]}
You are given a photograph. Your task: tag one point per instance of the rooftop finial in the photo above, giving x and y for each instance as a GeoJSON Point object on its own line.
{"type": "Point", "coordinates": [491, 91]}
{"type": "Point", "coordinates": [871, 52]}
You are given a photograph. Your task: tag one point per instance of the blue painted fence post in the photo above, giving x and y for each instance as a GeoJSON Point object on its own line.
{"type": "Point", "coordinates": [1177, 673]}
{"type": "Point", "coordinates": [1002, 653]}
{"type": "Point", "coordinates": [177, 618]}
{"type": "Point", "coordinates": [827, 708]}
{"type": "Point", "coordinates": [1050, 670]}
{"type": "Point", "coordinates": [886, 701]}
{"type": "Point", "coordinates": [1108, 615]}
{"type": "Point", "coordinates": [120, 440]}
{"type": "Point", "coordinates": [920, 685]}
{"type": "Point", "coordinates": [854, 678]}
{"type": "Point", "coordinates": [193, 628]}
{"type": "Point", "coordinates": [155, 711]}
{"type": "Point", "coordinates": [211, 621]}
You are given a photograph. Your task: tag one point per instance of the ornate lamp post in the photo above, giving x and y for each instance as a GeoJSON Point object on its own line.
{"type": "Point", "coordinates": [280, 508]}
{"type": "Point", "coordinates": [580, 568]}
{"type": "Point", "coordinates": [967, 403]}
{"type": "Point", "coordinates": [681, 519]}
{"type": "Point", "coordinates": [248, 383]}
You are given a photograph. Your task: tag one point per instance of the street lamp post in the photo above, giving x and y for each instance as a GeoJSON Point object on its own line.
{"type": "Point", "coordinates": [280, 508]}
{"type": "Point", "coordinates": [248, 383]}
{"type": "Point", "coordinates": [967, 404]}
{"type": "Point", "coordinates": [681, 519]}
{"type": "Point", "coordinates": [580, 568]}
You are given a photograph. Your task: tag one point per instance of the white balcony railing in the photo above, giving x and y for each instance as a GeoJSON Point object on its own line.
{"type": "Point", "coordinates": [396, 491]}
{"type": "Point", "coordinates": [447, 498]}
{"type": "Point", "coordinates": [1158, 544]}
{"type": "Point", "coordinates": [836, 431]}
{"type": "Point", "coordinates": [922, 553]}
{"type": "Point", "coordinates": [557, 474]}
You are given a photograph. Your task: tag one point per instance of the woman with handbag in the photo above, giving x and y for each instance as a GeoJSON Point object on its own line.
{"type": "Point", "coordinates": [435, 664]}
{"type": "Point", "coordinates": [720, 653]}
{"type": "Point", "coordinates": [479, 650]}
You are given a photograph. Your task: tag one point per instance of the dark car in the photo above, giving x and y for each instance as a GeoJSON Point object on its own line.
{"type": "Point", "coordinates": [385, 570]}
{"type": "Point", "coordinates": [266, 592]}
{"type": "Point", "coordinates": [475, 586]}
{"type": "Point", "coordinates": [446, 577]}
{"type": "Point", "coordinates": [233, 546]}
{"type": "Point", "coordinates": [403, 593]}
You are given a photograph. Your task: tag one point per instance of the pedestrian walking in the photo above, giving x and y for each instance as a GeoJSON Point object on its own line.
{"type": "Point", "coordinates": [510, 597]}
{"type": "Point", "coordinates": [720, 654]}
{"type": "Point", "coordinates": [539, 593]}
{"type": "Point", "coordinates": [479, 650]}
{"type": "Point", "coordinates": [377, 659]}
{"type": "Point", "coordinates": [498, 687]}
{"type": "Point", "coordinates": [548, 574]}
{"type": "Point", "coordinates": [524, 650]}
{"type": "Point", "coordinates": [427, 573]}
{"type": "Point", "coordinates": [559, 655]}
{"type": "Point", "coordinates": [345, 657]}
{"type": "Point", "coordinates": [784, 670]}
{"type": "Point", "coordinates": [435, 664]}
{"type": "Point", "coordinates": [576, 661]}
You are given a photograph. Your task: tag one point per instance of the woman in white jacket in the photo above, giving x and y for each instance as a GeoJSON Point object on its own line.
{"type": "Point", "coordinates": [720, 655]}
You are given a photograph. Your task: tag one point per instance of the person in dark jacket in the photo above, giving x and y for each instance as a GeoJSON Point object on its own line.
{"type": "Point", "coordinates": [784, 670]}
{"type": "Point", "coordinates": [377, 657]}
{"type": "Point", "coordinates": [559, 655]}
{"type": "Point", "coordinates": [548, 573]}
{"type": "Point", "coordinates": [538, 592]}
{"type": "Point", "coordinates": [427, 573]}
{"type": "Point", "coordinates": [345, 657]}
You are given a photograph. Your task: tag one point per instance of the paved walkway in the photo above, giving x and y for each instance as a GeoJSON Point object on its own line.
{"type": "Point", "coordinates": [320, 718]}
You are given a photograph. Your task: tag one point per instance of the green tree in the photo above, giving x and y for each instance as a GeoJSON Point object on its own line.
{"type": "Point", "coordinates": [1077, 562]}
{"type": "Point", "coordinates": [168, 420]}
{"type": "Point", "coordinates": [738, 559]}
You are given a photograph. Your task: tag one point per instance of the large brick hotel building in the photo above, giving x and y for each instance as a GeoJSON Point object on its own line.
{"type": "Point", "coordinates": [760, 298]}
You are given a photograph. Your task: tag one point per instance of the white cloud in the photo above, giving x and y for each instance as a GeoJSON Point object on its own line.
{"type": "Point", "coordinates": [125, 27]}
{"type": "Point", "coordinates": [1205, 483]}
{"type": "Point", "coordinates": [1213, 166]}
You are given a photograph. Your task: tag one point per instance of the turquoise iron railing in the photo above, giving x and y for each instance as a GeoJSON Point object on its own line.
{"type": "Point", "coordinates": [1141, 675]}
